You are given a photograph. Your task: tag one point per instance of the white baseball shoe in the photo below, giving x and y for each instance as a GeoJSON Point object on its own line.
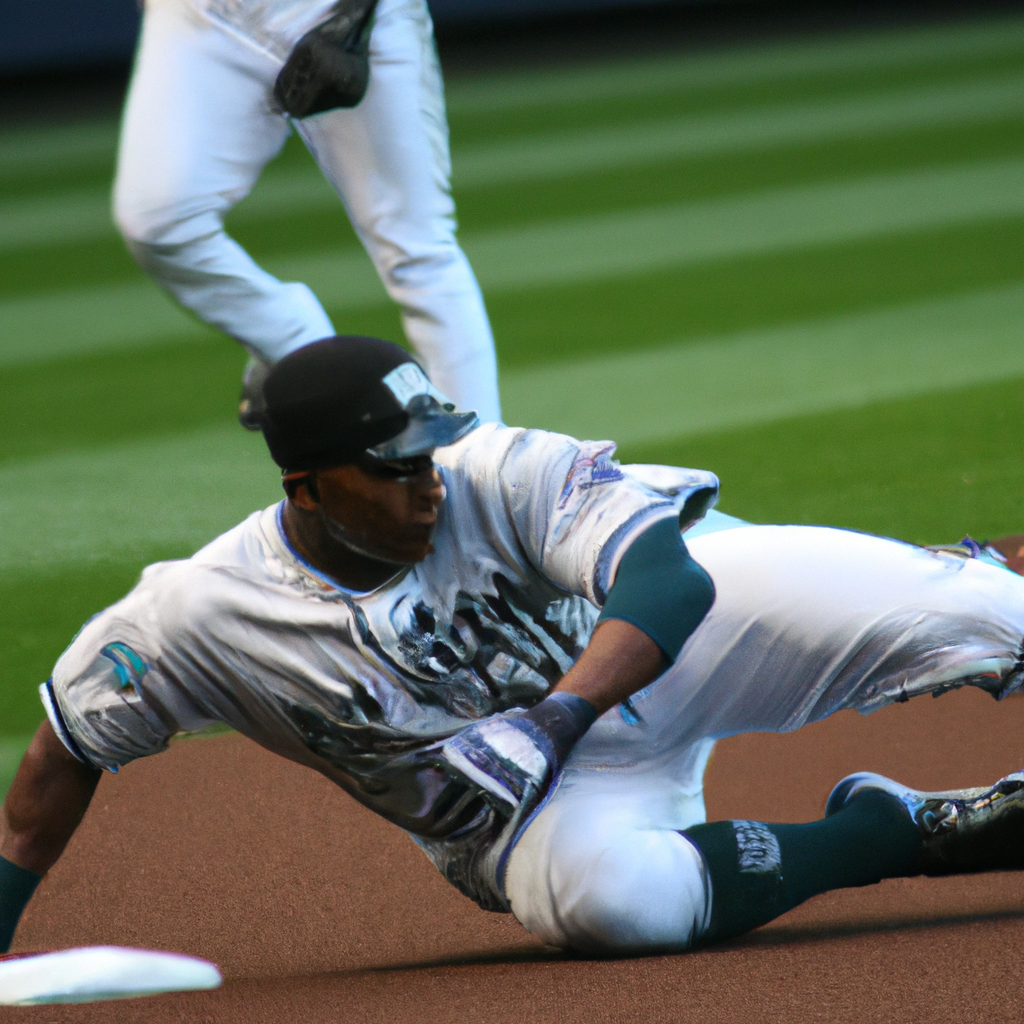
{"type": "Point", "coordinates": [962, 831]}
{"type": "Point", "coordinates": [251, 404]}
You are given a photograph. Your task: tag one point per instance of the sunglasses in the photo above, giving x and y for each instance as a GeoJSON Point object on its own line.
{"type": "Point", "coordinates": [395, 469]}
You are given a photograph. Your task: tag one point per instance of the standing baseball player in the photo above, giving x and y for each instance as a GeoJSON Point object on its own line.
{"type": "Point", "coordinates": [498, 640]}
{"type": "Point", "coordinates": [206, 112]}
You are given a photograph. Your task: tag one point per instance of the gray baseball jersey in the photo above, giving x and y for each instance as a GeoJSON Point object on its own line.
{"type": "Point", "coordinates": [365, 687]}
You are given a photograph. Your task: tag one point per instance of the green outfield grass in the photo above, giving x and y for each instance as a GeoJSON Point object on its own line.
{"type": "Point", "coordinates": [800, 265]}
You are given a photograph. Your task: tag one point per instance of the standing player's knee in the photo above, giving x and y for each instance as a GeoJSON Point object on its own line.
{"type": "Point", "coordinates": [139, 223]}
{"type": "Point", "coordinates": [157, 220]}
{"type": "Point", "coordinates": [164, 245]}
{"type": "Point", "coordinates": [424, 269]}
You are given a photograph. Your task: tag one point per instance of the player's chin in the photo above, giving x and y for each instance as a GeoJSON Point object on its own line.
{"type": "Point", "coordinates": [415, 547]}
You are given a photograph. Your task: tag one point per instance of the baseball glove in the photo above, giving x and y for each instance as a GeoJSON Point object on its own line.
{"type": "Point", "coordinates": [330, 65]}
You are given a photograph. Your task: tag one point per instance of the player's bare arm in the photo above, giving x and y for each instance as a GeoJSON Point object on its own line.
{"type": "Point", "coordinates": [619, 660]}
{"type": "Point", "coordinates": [47, 800]}
{"type": "Point", "coordinates": [45, 804]}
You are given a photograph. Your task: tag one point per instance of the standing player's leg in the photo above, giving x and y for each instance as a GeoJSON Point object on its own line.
{"type": "Point", "coordinates": [388, 159]}
{"type": "Point", "coordinates": [198, 128]}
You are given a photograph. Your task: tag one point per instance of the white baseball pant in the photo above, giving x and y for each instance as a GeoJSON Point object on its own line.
{"type": "Point", "coordinates": [199, 126]}
{"type": "Point", "coordinates": [807, 621]}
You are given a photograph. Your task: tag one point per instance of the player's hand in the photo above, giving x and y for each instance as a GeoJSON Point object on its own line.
{"type": "Point", "coordinates": [513, 757]}
{"type": "Point", "coordinates": [508, 757]}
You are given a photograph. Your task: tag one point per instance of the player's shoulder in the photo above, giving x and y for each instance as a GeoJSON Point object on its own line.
{"type": "Point", "coordinates": [177, 599]}
{"type": "Point", "coordinates": [181, 594]}
{"type": "Point", "coordinates": [239, 556]}
{"type": "Point", "coordinates": [494, 450]}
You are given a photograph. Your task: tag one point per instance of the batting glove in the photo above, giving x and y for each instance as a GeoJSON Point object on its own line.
{"type": "Point", "coordinates": [514, 756]}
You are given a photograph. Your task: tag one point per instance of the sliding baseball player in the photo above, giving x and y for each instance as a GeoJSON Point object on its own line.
{"type": "Point", "coordinates": [218, 85]}
{"type": "Point", "coordinates": [499, 640]}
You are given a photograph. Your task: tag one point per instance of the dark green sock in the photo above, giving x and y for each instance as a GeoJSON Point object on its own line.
{"type": "Point", "coordinates": [16, 888]}
{"type": "Point", "coordinates": [759, 871]}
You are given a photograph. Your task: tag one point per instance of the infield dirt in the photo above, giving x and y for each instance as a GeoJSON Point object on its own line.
{"type": "Point", "coordinates": [317, 911]}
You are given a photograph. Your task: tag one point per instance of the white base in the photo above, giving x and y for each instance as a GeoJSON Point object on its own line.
{"type": "Point", "coordinates": [93, 973]}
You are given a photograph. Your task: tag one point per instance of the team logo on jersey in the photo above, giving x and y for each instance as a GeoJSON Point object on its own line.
{"type": "Point", "coordinates": [130, 668]}
{"type": "Point", "coordinates": [593, 467]}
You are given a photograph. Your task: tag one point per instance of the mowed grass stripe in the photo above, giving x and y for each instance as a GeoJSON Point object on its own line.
{"type": "Point", "coordinates": [85, 214]}
{"type": "Point", "coordinates": [12, 749]}
{"type": "Point", "coordinates": [69, 145]}
{"type": "Point", "coordinates": [121, 501]}
{"type": "Point", "coordinates": [104, 398]}
{"type": "Point", "coordinates": [567, 153]}
{"type": "Point", "coordinates": [927, 469]}
{"type": "Point", "coordinates": [742, 66]}
{"type": "Point", "coordinates": [90, 141]}
{"type": "Point", "coordinates": [766, 375]}
{"type": "Point", "coordinates": [827, 213]}
{"type": "Point", "coordinates": [132, 315]}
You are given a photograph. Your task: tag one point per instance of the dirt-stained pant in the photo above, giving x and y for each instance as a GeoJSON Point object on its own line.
{"type": "Point", "coordinates": [807, 621]}
{"type": "Point", "coordinates": [200, 125]}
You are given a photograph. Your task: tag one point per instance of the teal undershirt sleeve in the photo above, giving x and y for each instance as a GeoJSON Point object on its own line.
{"type": "Point", "coordinates": [660, 589]}
{"type": "Point", "coordinates": [16, 888]}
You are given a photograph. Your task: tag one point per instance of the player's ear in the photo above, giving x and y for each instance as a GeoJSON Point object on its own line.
{"type": "Point", "coordinates": [312, 488]}
{"type": "Point", "coordinates": [303, 491]}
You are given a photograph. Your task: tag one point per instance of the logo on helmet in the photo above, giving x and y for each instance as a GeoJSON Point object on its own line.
{"type": "Point", "coordinates": [407, 381]}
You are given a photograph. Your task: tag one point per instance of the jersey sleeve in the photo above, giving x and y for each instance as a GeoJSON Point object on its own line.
{"type": "Point", "coordinates": [575, 510]}
{"type": "Point", "coordinates": [108, 699]}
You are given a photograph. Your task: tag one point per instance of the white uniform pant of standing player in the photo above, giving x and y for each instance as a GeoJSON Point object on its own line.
{"type": "Point", "coordinates": [199, 126]}
{"type": "Point", "coordinates": [807, 621]}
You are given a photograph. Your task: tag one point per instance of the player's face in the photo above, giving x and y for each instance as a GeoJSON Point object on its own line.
{"type": "Point", "coordinates": [387, 512]}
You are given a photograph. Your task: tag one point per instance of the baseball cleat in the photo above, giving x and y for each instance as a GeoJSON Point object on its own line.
{"type": "Point", "coordinates": [251, 404]}
{"type": "Point", "coordinates": [962, 831]}
{"type": "Point", "coordinates": [93, 973]}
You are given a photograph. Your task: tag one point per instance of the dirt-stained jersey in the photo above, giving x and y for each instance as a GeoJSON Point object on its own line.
{"type": "Point", "coordinates": [365, 687]}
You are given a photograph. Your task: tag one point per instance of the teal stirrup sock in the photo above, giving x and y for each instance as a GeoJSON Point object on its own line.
{"type": "Point", "coordinates": [759, 871]}
{"type": "Point", "coordinates": [16, 888]}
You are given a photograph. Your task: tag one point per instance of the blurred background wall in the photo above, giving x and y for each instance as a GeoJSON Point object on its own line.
{"type": "Point", "coordinates": [45, 34]}
{"type": "Point", "coordinates": [40, 35]}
